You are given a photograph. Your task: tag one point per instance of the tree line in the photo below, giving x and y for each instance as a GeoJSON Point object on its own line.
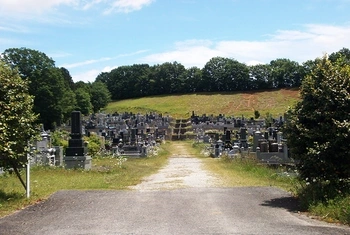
{"type": "Point", "coordinates": [56, 95]}
{"type": "Point", "coordinates": [54, 92]}
{"type": "Point", "coordinates": [218, 75]}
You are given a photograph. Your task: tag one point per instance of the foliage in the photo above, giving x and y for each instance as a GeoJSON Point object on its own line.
{"type": "Point", "coordinates": [83, 101]}
{"type": "Point", "coordinates": [54, 100]}
{"type": "Point", "coordinates": [286, 73]}
{"type": "Point", "coordinates": [50, 86]}
{"type": "Point", "coordinates": [268, 119]}
{"type": "Point", "coordinates": [59, 138]}
{"type": "Point", "coordinates": [99, 96]}
{"type": "Point", "coordinates": [335, 210]}
{"type": "Point", "coordinates": [16, 119]}
{"type": "Point", "coordinates": [318, 129]}
{"type": "Point", "coordinates": [343, 54]}
{"type": "Point", "coordinates": [261, 77]}
{"type": "Point", "coordinates": [218, 75]}
{"type": "Point", "coordinates": [256, 114]}
{"type": "Point", "coordinates": [95, 144]}
{"type": "Point", "coordinates": [29, 62]}
{"type": "Point", "coordinates": [223, 74]}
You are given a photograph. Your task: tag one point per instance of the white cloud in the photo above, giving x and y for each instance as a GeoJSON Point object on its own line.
{"type": "Point", "coordinates": [13, 28]}
{"type": "Point", "coordinates": [88, 76]}
{"type": "Point", "coordinates": [310, 42]}
{"type": "Point", "coordinates": [90, 4]}
{"type": "Point", "coordinates": [95, 61]}
{"type": "Point", "coordinates": [30, 8]}
{"type": "Point", "coordinates": [87, 62]}
{"type": "Point", "coordinates": [108, 68]}
{"type": "Point", "coordinates": [34, 6]}
{"type": "Point", "coordinates": [127, 6]}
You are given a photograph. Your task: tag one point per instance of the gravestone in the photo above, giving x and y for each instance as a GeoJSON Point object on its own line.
{"type": "Point", "coordinates": [76, 152]}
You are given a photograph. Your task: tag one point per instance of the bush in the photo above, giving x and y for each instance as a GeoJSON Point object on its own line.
{"type": "Point", "coordinates": [318, 130]}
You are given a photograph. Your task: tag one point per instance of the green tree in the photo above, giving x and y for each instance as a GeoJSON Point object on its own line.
{"type": "Point", "coordinates": [344, 52]}
{"type": "Point", "coordinates": [83, 101]}
{"type": "Point", "coordinates": [67, 78]}
{"type": "Point", "coordinates": [260, 76]}
{"type": "Point", "coordinates": [318, 127]}
{"type": "Point", "coordinates": [51, 98]}
{"type": "Point", "coordinates": [224, 74]}
{"type": "Point", "coordinates": [50, 85]}
{"type": "Point", "coordinates": [191, 79]}
{"type": "Point", "coordinates": [16, 119]}
{"type": "Point", "coordinates": [100, 96]}
{"type": "Point", "coordinates": [29, 62]}
{"type": "Point", "coordinates": [286, 73]}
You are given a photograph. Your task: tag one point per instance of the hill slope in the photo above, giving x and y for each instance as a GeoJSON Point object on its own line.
{"type": "Point", "coordinates": [275, 102]}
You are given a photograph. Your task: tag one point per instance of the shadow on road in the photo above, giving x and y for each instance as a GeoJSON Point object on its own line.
{"type": "Point", "coordinates": [289, 203]}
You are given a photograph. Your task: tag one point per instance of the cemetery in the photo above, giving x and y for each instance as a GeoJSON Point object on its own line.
{"type": "Point", "coordinates": [131, 135]}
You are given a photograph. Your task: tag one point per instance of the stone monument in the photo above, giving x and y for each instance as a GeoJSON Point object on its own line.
{"type": "Point", "coordinates": [76, 152]}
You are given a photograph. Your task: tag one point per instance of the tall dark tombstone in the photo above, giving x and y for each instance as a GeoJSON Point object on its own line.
{"type": "Point", "coordinates": [133, 136]}
{"type": "Point", "coordinates": [243, 137]}
{"type": "Point", "coordinates": [76, 152]}
{"type": "Point", "coordinates": [228, 136]}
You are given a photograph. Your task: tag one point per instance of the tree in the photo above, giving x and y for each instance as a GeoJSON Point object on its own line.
{"type": "Point", "coordinates": [67, 78]}
{"type": "Point", "coordinates": [260, 76]}
{"type": "Point", "coordinates": [29, 62]}
{"type": "Point", "coordinates": [16, 119]}
{"type": "Point", "coordinates": [191, 79]}
{"type": "Point", "coordinates": [286, 73]}
{"type": "Point", "coordinates": [51, 86]}
{"type": "Point", "coordinates": [51, 98]}
{"type": "Point", "coordinates": [318, 127]}
{"type": "Point", "coordinates": [224, 74]}
{"type": "Point", "coordinates": [344, 52]}
{"type": "Point", "coordinates": [83, 101]}
{"type": "Point", "coordinates": [100, 96]}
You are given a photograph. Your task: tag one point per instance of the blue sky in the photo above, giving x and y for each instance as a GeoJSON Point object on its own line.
{"type": "Point", "coordinates": [92, 36]}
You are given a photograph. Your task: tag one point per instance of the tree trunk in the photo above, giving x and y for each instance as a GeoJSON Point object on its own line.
{"type": "Point", "coordinates": [18, 175]}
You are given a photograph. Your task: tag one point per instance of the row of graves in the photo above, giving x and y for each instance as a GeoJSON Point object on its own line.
{"type": "Point", "coordinates": [137, 135]}
{"type": "Point", "coordinates": [122, 135]}
{"type": "Point", "coordinates": [240, 137]}
{"type": "Point", "coordinates": [128, 134]}
{"type": "Point", "coordinates": [76, 154]}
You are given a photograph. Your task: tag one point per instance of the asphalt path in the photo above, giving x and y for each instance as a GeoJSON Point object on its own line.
{"type": "Point", "coordinates": [182, 198]}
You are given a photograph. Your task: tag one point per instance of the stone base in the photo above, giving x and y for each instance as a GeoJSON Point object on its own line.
{"type": "Point", "coordinates": [74, 162]}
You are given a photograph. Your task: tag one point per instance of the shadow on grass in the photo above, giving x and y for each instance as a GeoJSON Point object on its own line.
{"type": "Point", "coordinates": [4, 197]}
{"type": "Point", "coordinates": [291, 204]}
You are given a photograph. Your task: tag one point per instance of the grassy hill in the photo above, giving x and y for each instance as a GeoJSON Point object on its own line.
{"type": "Point", "coordinates": [274, 102]}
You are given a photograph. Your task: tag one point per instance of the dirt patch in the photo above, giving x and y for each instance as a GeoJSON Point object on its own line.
{"type": "Point", "coordinates": [182, 171]}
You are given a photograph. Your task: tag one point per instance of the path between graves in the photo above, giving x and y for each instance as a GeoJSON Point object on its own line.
{"type": "Point", "coordinates": [182, 171]}
{"type": "Point", "coordinates": [197, 206]}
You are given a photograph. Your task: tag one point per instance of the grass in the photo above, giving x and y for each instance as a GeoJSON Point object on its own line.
{"type": "Point", "coordinates": [246, 172]}
{"type": "Point", "coordinates": [275, 102]}
{"type": "Point", "coordinates": [105, 174]}
{"type": "Point", "coordinates": [335, 210]}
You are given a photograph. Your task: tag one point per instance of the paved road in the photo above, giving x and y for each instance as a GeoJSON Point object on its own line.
{"type": "Point", "coordinates": [181, 198]}
{"type": "Point", "coordinates": [258, 210]}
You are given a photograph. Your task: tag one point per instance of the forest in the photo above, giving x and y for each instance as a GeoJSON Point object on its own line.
{"type": "Point", "coordinates": [218, 75]}
{"type": "Point", "coordinates": [56, 95]}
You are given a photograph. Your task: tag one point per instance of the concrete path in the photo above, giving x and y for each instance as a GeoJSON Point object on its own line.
{"type": "Point", "coordinates": [182, 198]}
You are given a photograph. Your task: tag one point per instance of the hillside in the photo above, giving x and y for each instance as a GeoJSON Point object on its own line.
{"type": "Point", "coordinates": [275, 102]}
